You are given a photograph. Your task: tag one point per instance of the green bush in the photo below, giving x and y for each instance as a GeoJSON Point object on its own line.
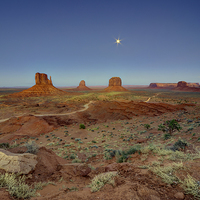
{"type": "Point", "coordinates": [122, 156]}
{"type": "Point", "coordinates": [180, 145]}
{"type": "Point", "coordinates": [166, 136]}
{"type": "Point", "coordinates": [4, 145]}
{"type": "Point", "coordinates": [147, 126]}
{"type": "Point", "coordinates": [169, 126]}
{"type": "Point", "coordinates": [82, 126]}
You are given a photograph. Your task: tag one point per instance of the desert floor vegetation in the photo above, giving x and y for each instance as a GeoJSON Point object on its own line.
{"type": "Point", "coordinates": [152, 148]}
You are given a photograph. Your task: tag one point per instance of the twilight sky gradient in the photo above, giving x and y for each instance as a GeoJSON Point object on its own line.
{"type": "Point", "coordinates": [73, 40]}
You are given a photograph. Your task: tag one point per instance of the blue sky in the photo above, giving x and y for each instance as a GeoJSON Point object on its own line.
{"type": "Point", "coordinates": [74, 40]}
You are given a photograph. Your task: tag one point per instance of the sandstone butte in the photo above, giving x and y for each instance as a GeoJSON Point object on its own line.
{"type": "Point", "coordinates": [82, 86]}
{"type": "Point", "coordinates": [172, 85]}
{"type": "Point", "coordinates": [184, 86]}
{"type": "Point", "coordinates": [115, 84]}
{"type": "Point", "coordinates": [43, 87]}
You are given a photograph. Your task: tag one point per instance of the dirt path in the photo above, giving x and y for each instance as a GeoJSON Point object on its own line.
{"type": "Point", "coordinates": [151, 97]}
{"type": "Point", "coordinates": [86, 106]}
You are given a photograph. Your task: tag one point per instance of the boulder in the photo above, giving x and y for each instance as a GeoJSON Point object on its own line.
{"type": "Point", "coordinates": [115, 84]}
{"type": "Point", "coordinates": [12, 162]}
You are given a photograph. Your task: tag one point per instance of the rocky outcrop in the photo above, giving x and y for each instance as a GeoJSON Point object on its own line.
{"type": "Point", "coordinates": [173, 85]}
{"type": "Point", "coordinates": [82, 86]}
{"type": "Point", "coordinates": [190, 87]}
{"type": "Point", "coordinates": [42, 79]}
{"type": "Point", "coordinates": [162, 85]}
{"type": "Point", "coordinates": [193, 85]}
{"type": "Point", "coordinates": [115, 84]}
{"type": "Point", "coordinates": [43, 87]}
{"type": "Point", "coordinates": [22, 163]}
{"type": "Point", "coordinates": [115, 81]}
{"type": "Point", "coordinates": [182, 84]}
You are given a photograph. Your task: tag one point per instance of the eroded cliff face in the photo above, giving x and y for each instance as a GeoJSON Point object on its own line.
{"type": "Point", "coordinates": [182, 84]}
{"type": "Point", "coordinates": [43, 87]}
{"type": "Point", "coordinates": [82, 86]}
{"type": "Point", "coordinates": [162, 85]}
{"type": "Point", "coordinates": [115, 81]}
{"type": "Point", "coordinates": [173, 85]}
{"type": "Point", "coordinates": [115, 84]}
{"type": "Point", "coordinates": [42, 79]}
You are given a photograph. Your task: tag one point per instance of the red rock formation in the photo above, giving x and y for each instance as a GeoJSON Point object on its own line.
{"type": "Point", "coordinates": [162, 85]}
{"type": "Point", "coordinates": [193, 85]}
{"type": "Point", "coordinates": [42, 79]}
{"type": "Point", "coordinates": [43, 87]}
{"type": "Point", "coordinates": [115, 84]}
{"type": "Point", "coordinates": [82, 86]}
{"type": "Point", "coordinates": [182, 84]}
{"type": "Point", "coordinates": [172, 85]}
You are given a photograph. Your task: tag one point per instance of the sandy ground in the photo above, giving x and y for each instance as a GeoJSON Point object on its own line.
{"type": "Point", "coordinates": [112, 122]}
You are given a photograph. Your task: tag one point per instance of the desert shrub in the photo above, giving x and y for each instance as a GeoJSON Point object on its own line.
{"type": "Point", "coordinates": [13, 145]}
{"type": "Point", "coordinates": [166, 136]}
{"type": "Point", "coordinates": [169, 126]}
{"type": "Point", "coordinates": [122, 156]}
{"type": "Point", "coordinates": [147, 126]}
{"type": "Point", "coordinates": [167, 173]}
{"type": "Point", "coordinates": [16, 186]}
{"type": "Point", "coordinates": [100, 180]}
{"type": "Point", "coordinates": [82, 126]}
{"type": "Point", "coordinates": [110, 153]}
{"type": "Point", "coordinates": [76, 160]}
{"type": "Point", "coordinates": [191, 186]}
{"type": "Point", "coordinates": [31, 146]}
{"type": "Point", "coordinates": [179, 145]}
{"type": "Point", "coordinates": [4, 145]}
{"type": "Point", "coordinates": [72, 156]}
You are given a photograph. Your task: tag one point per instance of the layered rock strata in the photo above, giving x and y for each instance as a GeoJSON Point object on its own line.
{"type": "Point", "coordinates": [82, 86]}
{"type": "Point", "coordinates": [115, 84]}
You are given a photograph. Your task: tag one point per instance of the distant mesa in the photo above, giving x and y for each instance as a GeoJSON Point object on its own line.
{"type": "Point", "coordinates": [162, 85]}
{"type": "Point", "coordinates": [173, 85]}
{"type": "Point", "coordinates": [82, 86]}
{"type": "Point", "coordinates": [43, 87]}
{"type": "Point", "coordinates": [182, 84]}
{"type": "Point", "coordinates": [190, 87]}
{"type": "Point", "coordinates": [115, 84]}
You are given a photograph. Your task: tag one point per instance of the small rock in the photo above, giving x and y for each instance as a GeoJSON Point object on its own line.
{"type": "Point", "coordinates": [82, 170]}
{"type": "Point", "coordinates": [111, 167]}
{"type": "Point", "coordinates": [179, 195]}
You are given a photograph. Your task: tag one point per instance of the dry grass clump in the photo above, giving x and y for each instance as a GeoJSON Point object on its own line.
{"type": "Point", "coordinates": [167, 172]}
{"type": "Point", "coordinates": [191, 186]}
{"type": "Point", "coordinates": [32, 147]}
{"type": "Point", "coordinates": [100, 180]}
{"type": "Point", "coordinates": [16, 186]}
